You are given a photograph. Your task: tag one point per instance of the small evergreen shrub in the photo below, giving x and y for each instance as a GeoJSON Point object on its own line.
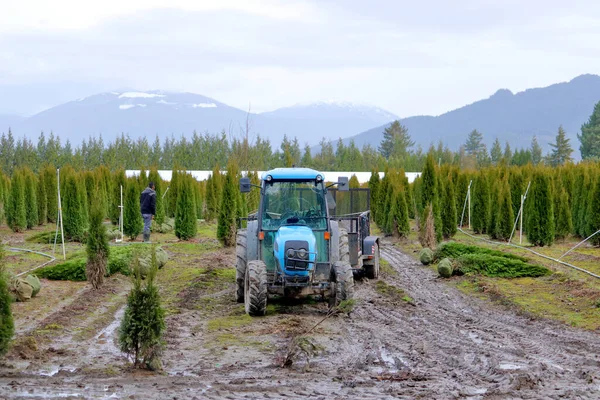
{"type": "Point", "coordinates": [97, 248]}
{"type": "Point", "coordinates": [445, 268]}
{"type": "Point", "coordinates": [7, 327]}
{"type": "Point", "coordinates": [426, 256]}
{"type": "Point", "coordinates": [143, 324]}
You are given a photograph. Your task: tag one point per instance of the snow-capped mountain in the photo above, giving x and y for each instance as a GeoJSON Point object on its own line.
{"type": "Point", "coordinates": [162, 114]}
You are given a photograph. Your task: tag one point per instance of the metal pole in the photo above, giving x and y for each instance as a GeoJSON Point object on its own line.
{"type": "Point", "coordinates": [465, 206]}
{"type": "Point", "coordinates": [60, 215]}
{"type": "Point", "coordinates": [469, 194]}
{"type": "Point", "coordinates": [521, 223]}
{"type": "Point", "coordinates": [121, 206]}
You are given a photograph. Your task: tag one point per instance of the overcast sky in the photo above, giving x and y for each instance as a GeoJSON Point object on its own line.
{"type": "Point", "coordinates": [409, 57]}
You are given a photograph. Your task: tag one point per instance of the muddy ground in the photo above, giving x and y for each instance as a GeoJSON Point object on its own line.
{"type": "Point", "coordinates": [409, 335]}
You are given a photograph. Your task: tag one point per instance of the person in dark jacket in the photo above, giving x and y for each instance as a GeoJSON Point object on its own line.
{"type": "Point", "coordinates": [148, 208]}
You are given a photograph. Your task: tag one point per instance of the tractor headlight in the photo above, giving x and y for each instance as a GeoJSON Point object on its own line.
{"type": "Point", "coordinates": [291, 253]}
{"type": "Point", "coordinates": [269, 178]}
{"type": "Point", "coordinates": [302, 253]}
{"type": "Point", "coordinates": [319, 178]}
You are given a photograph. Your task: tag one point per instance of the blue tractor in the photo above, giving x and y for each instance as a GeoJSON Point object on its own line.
{"type": "Point", "coordinates": [292, 245]}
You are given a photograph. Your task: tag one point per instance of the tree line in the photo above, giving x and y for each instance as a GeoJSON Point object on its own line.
{"type": "Point", "coordinates": [204, 151]}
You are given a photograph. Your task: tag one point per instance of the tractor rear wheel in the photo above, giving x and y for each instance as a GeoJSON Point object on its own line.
{"type": "Point", "coordinates": [372, 268]}
{"type": "Point", "coordinates": [343, 285]}
{"type": "Point", "coordinates": [344, 246]}
{"type": "Point", "coordinates": [240, 265]}
{"type": "Point", "coordinates": [255, 288]}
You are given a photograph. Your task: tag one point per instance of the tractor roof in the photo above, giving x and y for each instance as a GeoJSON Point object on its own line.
{"type": "Point", "coordinates": [292, 173]}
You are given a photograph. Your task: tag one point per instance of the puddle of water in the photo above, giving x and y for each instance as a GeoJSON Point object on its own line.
{"type": "Point", "coordinates": [475, 338]}
{"type": "Point", "coordinates": [105, 340]}
{"type": "Point", "coordinates": [55, 370]}
{"type": "Point", "coordinates": [393, 362]}
{"type": "Point", "coordinates": [509, 366]}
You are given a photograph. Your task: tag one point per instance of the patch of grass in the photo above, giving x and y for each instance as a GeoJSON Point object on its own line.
{"type": "Point", "coordinates": [390, 291]}
{"type": "Point", "coordinates": [207, 229]}
{"type": "Point", "coordinates": [193, 248]}
{"type": "Point", "coordinates": [385, 268]}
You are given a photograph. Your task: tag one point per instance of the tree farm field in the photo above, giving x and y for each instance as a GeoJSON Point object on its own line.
{"type": "Point", "coordinates": [568, 296]}
{"type": "Point", "coordinates": [409, 334]}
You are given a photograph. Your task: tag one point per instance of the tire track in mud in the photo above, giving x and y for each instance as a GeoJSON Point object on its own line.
{"type": "Point", "coordinates": [464, 346]}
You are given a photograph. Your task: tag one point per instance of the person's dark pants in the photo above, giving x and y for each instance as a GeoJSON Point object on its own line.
{"type": "Point", "coordinates": [147, 224]}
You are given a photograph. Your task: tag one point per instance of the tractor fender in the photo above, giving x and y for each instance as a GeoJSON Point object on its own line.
{"type": "Point", "coordinates": [334, 242]}
{"type": "Point", "coordinates": [252, 246]}
{"type": "Point", "coordinates": [368, 244]}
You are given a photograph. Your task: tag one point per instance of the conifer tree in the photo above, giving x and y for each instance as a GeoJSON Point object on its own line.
{"type": "Point", "coordinates": [578, 194]}
{"type": "Point", "coordinates": [505, 218]}
{"type": "Point", "coordinates": [83, 199]}
{"type": "Point", "coordinates": [172, 194]}
{"type": "Point", "coordinates": [210, 199]}
{"type": "Point", "coordinates": [143, 323]}
{"type": "Point", "coordinates": [198, 199]}
{"type": "Point", "coordinates": [16, 215]}
{"type": "Point", "coordinates": [49, 173]}
{"type": "Point", "coordinates": [186, 225]}
{"type": "Point", "coordinates": [593, 213]}
{"type": "Point", "coordinates": [564, 224]}
{"type": "Point", "coordinates": [72, 212]}
{"type": "Point", "coordinates": [584, 206]}
{"type": "Point", "coordinates": [353, 182]}
{"type": "Point", "coordinates": [31, 206]}
{"type": "Point", "coordinates": [382, 192]}
{"type": "Point", "coordinates": [494, 209]}
{"type": "Point", "coordinates": [561, 150]}
{"type": "Point", "coordinates": [373, 186]}
{"type": "Point", "coordinates": [42, 200]}
{"type": "Point", "coordinates": [254, 194]}
{"type": "Point", "coordinates": [132, 216]}
{"type": "Point", "coordinates": [590, 135]}
{"type": "Point", "coordinates": [226, 222]}
{"type": "Point", "coordinates": [539, 214]}
{"type": "Point", "coordinates": [7, 327]}
{"type": "Point", "coordinates": [97, 247]}
{"type": "Point", "coordinates": [481, 204]}
{"type": "Point", "coordinates": [517, 188]}
{"type": "Point", "coordinates": [427, 232]}
{"type": "Point", "coordinates": [448, 210]}
{"type": "Point", "coordinates": [401, 226]}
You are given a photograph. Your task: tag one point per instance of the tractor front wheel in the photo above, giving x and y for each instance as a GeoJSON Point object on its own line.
{"type": "Point", "coordinates": [255, 288]}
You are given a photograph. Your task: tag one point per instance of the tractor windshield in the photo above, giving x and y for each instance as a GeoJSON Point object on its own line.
{"type": "Point", "coordinates": [294, 203]}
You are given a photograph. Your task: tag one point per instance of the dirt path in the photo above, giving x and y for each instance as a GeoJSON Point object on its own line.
{"type": "Point", "coordinates": [441, 344]}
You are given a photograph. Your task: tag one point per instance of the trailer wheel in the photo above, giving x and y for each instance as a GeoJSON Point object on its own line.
{"type": "Point", "coordinates": [372, 268]}
{"type": "Point", "coordinates": [343, 285]}
{"type": "Point", "coordinates": [240, 266]}
{"type": "Point", "coordinates": [255, 288]}
{"type": "Point", "coordinates": [344, 246]}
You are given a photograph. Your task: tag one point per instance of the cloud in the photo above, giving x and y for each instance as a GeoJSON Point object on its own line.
{"type": "Point", "coordinates": [410, 58]}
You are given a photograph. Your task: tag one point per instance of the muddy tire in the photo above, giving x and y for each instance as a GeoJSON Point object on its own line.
{"type": "Point", "coordinates": [372, 269]}
{"type": "Point", "coordinates": [241, 241]}
{"type": "Point", "coordinates": [255, 288]}
{"type": "Point", "coordinates": [344, 247]}
{"type": "Point", "coordinates": [343, 282]}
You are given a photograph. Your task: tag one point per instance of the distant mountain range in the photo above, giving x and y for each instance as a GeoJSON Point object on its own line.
{"type": "Point", "coordinates": [164, 114]}
{"type": "Point", "coordinates": [513, 118]}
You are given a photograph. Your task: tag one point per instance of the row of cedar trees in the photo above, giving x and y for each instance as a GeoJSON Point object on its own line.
{"type": "Point", "coordinates": [28, 200]}
{"type": "Point", "coordinates": [561, 201]}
